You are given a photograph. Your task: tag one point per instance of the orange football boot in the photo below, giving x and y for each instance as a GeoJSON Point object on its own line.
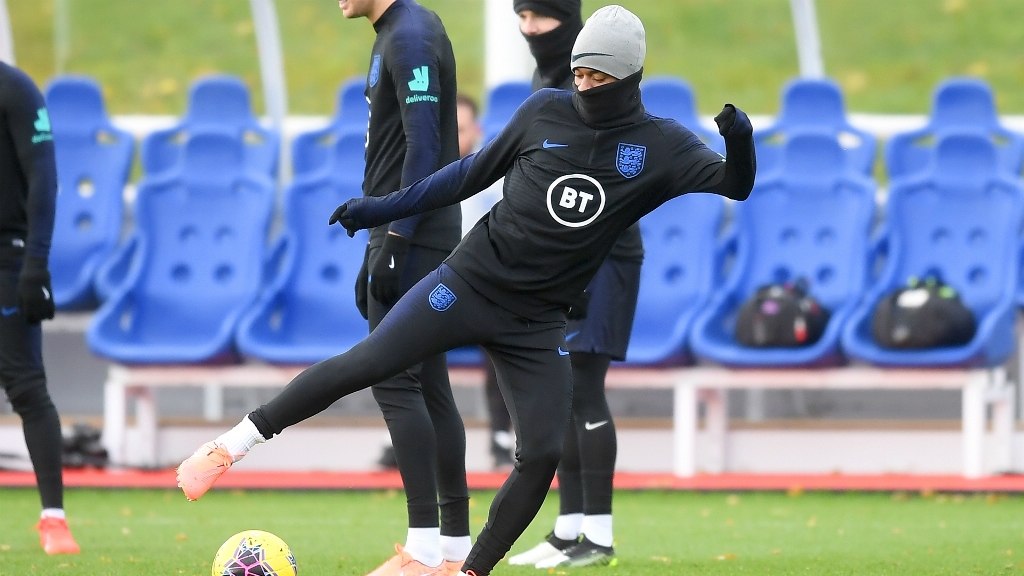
{"type": "Point", "coordinates": [55, 536]}
{"type": "Point", "coordinates": [199, 471]}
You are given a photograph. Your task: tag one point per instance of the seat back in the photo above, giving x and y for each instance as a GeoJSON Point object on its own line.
{"type": "Point", "coordinates": [353, 110]}
{"type": "Point", "coordinates": [678, 273]}
{"type": "Point", "coordinates": [314, 309]}
{"type": "Point", "coordinates": [312, 150]}
{"type": "Point", "coordinates": [960, 220]}
{"type": "Point", "coordinates": [216, 103]}
{"type": "Point", "coordinates": [815, 106]}
{"type": "Point", "coordinates": [93, 163]}
{"type": "Point", "coordinates": [203, 233]}
{"type": "Point", "coordinates": [810, 220]}
{"type": "Point", "coordinates": [502, 103]}
{"type": "Point", "coordinates": [959, 105]}
{"type": "Point", "coordinates": [673, 98]}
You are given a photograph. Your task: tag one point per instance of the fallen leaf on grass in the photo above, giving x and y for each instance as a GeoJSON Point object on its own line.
{"type": "Point", "coordinates": [795, 491]}
{"type": "Point", "coordinates": [776, 552]}
{"type": "Point", "coordinates": [181, 537]}
{"type": "Point", "coordinates": [664, 559]}
{"type": "Point", "coordinates": [725, 557]}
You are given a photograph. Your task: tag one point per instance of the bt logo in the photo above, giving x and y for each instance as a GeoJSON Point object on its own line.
{"type": "Point", "coordinates": [575, 200]}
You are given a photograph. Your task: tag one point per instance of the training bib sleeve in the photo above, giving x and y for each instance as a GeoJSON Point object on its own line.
{"type": "Point", "coordinates": [29, 124]}
{"type": "Point", "coordinates": [414, 70]}
{"type": "Point", "coordinates": [455, 182]}
{"type": "Point", "coordinates": [697, 168]}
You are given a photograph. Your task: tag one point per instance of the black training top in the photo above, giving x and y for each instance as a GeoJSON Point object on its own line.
{"type": "Point", "coordinates": [577, 174]}
{"type": "Point", "coordinates": [552, 51]}
{"type": "Point", "coordinates": [413, 126]}
{"type": "Point", "coordinates": [28, 174]}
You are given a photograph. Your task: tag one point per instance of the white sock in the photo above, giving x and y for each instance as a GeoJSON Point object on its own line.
{"type": "Point", "coordinates": [567, 526]}
{"type": "Point", "coordinates": [52, 513]}
{"type": "Point", "coordinates": [598, 529]}
{"type": "Point", "coordinates": [424, 545]}
{"type": "Point", "coordinates": [241, 438]}
{"type": "Point", "coordinates": [455, 548]}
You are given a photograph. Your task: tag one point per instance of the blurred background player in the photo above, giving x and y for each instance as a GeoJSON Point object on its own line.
{"type": "Point", "coordinates": [597, 332]}
{"type": "Point", "coordinates": [470, 132]}
{"type": "Point", "coordinates": [28, 196]}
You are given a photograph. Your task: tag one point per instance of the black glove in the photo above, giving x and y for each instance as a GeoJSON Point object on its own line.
{"type": "Point", "coordinates": [725, 119]}
{"type": "Point", "coordinates": [341, 216]}
{"type": "Point", "coordinates": [35, 296]}
{"type": "Point", "coordinates": [361, 282]}
{"type": "Point", "coordinates": [578, 310]}
{"type": "Point", "coordinates": [386, 273]}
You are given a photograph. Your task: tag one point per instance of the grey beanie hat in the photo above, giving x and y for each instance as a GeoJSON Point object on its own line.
{"type": "Point", "coordinates": [612, 41]}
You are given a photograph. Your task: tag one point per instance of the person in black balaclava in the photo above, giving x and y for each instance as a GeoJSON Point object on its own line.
{"type": "Point", "coordinates": [597, 332]}
{"type": "Point", "coordinates": [580, 168]}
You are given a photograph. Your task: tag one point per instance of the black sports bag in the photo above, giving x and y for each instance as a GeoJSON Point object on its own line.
{"type": "Point", "coordinates": [781, 316]}
{"type": "Point", "coordinates": [925, 314]}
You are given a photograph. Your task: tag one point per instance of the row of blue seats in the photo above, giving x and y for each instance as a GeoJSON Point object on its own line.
{"type": "Point", "coordinates": [99, 157]}
{"type": "Point", "coordinates": [204, 286]}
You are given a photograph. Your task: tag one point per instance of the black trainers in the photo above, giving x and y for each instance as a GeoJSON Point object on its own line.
{"type": "Point", "coordinates": [584, 553]}
{"type": "Point", "coordinates": [551, 547]}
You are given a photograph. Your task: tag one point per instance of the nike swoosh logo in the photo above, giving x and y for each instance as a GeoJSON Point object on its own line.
{"type": "Point", "coordinates": [578, 56]}
{"type": "Point", "coordinates": [595, 425]}
{"type": "Point", "coordinates": [547, 144]}
{"type": "Point", "coordinates": [9, 311]}
{"type": "Point", "coordinates": [562, 352]}
{"type": "Point", "coordinates": [573, 335]}
{"type": "Point", "coordinates": [392, 265]}
{"type": "Point", "coordinates": [46, 293]}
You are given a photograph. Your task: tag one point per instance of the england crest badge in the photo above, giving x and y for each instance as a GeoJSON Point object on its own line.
{"type": "Point", "coordinates": [375, 70]}
{"type": "Point", "coordinates": [629, 160]}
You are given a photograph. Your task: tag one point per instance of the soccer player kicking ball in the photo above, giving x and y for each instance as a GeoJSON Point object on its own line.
{"type": "Point", "coordinates": [597, 332]}
{"type": "Point", "coordinates": [580, 168]}
{"type": "Point", "coordinates": [28, 200]}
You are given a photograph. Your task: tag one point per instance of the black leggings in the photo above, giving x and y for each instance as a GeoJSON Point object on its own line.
{"type": "Point", "coordinates": [421, 415]}
{"type": "Point", "coordinates": [24, 381]}
{"type": "Point", "coordinates": [440, 313]}
{"type": "Point", "coordinates": [588, 459]}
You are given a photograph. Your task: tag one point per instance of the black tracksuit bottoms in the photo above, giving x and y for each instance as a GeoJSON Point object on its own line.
{"type": "Point", "coordinates": [425, 425]}
{"type": "Point", "coordinates": [440, 313]}
{"type": "Point", "coordinates": [24, 381]}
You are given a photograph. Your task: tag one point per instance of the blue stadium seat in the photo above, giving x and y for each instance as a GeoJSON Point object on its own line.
{"type": "Point", "coordinates": [215, 103]}
{"type": "Point", "coordinates": [308, 312]}
{"type": "Point", "coordinates": [960, 219]}
{"type": "Point", "coordinates": [810, 219]}
{"type": "Point", "coordinates": [960, 105]}
{"type": "Point", "coordinates": [681, 264]}
{"type": "Point", "coordinates": [313, 149]}
{"type": "Point", "coordinates": [668, 97]}
{"type": "Point", "coordinates": [200, 255]}
{"type": "Point", "coordinates": [814, 105]}
{"type": "Point", "coordinates": [93, 163]}
{"type": "Point", "coordinates": [502, 103]}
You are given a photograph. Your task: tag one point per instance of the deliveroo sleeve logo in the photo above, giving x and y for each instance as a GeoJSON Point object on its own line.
{"type": "Point", "coordinates": [420, 83]}
{"type": "Point", "coordinates": [42, 126]}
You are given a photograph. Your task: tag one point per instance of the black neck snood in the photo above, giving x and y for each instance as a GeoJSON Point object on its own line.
{"type": "Point", "coordinates": [553, 50]}
{"type": "Point", "coordinates": [611, 105]}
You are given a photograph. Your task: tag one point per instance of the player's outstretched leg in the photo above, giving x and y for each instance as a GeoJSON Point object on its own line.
{"type": "Point", "coordinates": [436, 315]}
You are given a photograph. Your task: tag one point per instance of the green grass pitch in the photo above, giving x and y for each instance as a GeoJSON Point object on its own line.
{"type": "Point", "coordinates": [147, 532]}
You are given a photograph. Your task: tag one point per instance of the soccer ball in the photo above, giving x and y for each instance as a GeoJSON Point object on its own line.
{"type": "Point", "coordinates": [254, 553]}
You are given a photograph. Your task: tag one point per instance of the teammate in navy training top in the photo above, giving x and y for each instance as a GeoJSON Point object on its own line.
{"type": "Point", "coordinates": [413, 131]}
{"type": "Point", "coordinates": [28, 196]}
{"type": "Point", "coordinates": [580, 168]}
